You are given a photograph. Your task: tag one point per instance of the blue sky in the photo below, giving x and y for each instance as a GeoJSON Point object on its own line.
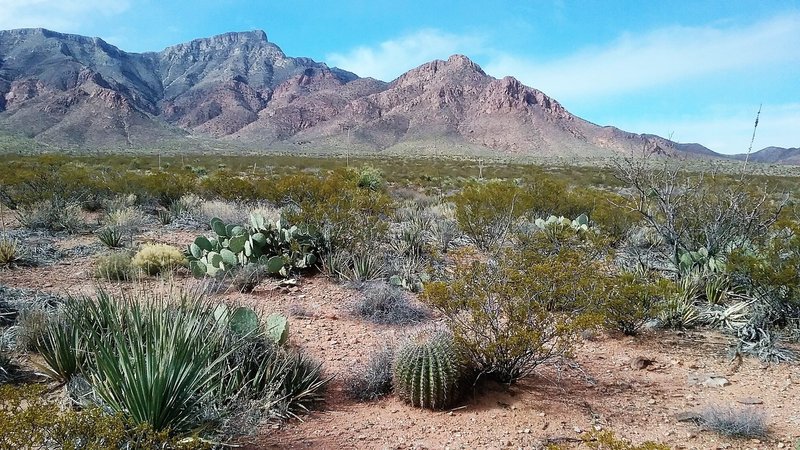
{"type": "Point", "coordinates": [693, 70]}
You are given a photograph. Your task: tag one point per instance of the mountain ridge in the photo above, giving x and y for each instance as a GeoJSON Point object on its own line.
{"type": "Point", "coordinates": [67, 90]}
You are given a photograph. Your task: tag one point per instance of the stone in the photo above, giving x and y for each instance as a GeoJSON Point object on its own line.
{"type": "Point", "coordinates": [641, 363]}
{"type": "Point", "coordinates": [749, 401]}
{"type": "Point", "coordinates": [716, 382]}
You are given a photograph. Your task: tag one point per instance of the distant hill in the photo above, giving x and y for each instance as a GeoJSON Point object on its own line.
{"type": "Point", "coordinates": [773, 155]}
{"type": "Point", "coordinates": [72, 91]}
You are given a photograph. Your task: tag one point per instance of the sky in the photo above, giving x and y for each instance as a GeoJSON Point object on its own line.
{"type": "Point", "coordinates": [692, 71]}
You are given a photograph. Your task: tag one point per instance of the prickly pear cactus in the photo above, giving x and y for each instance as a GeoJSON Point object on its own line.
{"type": "Point", "coordinates": [427, 370]}
{"type": "Point", "coordinates": [278, 328]}
{"type": "Point", "coordinates": [243, 321]}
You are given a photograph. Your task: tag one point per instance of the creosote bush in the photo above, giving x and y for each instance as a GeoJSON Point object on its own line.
{"type": "Point", "coordinates": [518, 311]}
{"type": "Point", "coordinates": [486, 212]}
{"type": "Point", "coordinates": [631, 301]}
{"type": "Point", "coordinates": [158, 258]}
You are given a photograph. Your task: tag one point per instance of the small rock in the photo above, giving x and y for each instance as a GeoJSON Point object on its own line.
{"type": "Point", "coordinates": [651, 402]}
{"type": "Point", "coordinates": [716, 382]}
{"type": "Point", "coordinates": [749, 401]}
{"type": "Point", "coordinates": [578, 430]}
{"type": "Point", "coordinates": [781, 445]}
{"type": "Point", "coordinates": [688, 416]}
{"type": "Point", "coordinates": [641, 363]}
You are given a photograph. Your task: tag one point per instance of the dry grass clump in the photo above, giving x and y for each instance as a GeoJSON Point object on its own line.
{"type": "Point", "coordinates": [373, 380]}
{"type": "Point", "coordinates": [158, 258]}
{"type": "Point", "coordinates": [735, 422]}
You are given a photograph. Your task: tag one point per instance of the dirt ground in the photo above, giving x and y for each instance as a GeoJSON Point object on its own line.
{"type": "Point", "coordinates": [636, 387]}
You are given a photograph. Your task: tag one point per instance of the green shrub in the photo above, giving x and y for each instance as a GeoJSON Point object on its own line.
{"type": "Point", "coordinates": [605, 440]}
{"type": "Point", "coordinates": [63, 348]}
{"type": "Point", "coordinates": [631, 301]}
{"type": "Point", "coordinates": [486, 212]}
{"type": "Point", "coordinates": [428, 368]}
{"type": "Point", "coordinates": [154, 259]}
{"type": "Point", "coordinates": [29, 420]}
{"type": "Point", "coordinates": [519, 311]}
{"type": "Point", "coordinates": [115, 266]}
{"type": "Point", "coordinates": [371, 178]}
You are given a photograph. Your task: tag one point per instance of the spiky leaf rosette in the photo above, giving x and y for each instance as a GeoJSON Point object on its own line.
{"type": "Point", "coordinates": [427, 370]}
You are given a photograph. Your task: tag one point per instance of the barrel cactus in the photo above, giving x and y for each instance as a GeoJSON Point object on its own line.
{"type": "Point", "coordinates": [428, 368]}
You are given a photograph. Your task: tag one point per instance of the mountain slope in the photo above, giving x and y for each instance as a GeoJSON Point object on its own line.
{"type": "Point", "coordinates": [773, 155]}
{"type": "Point", "coordinates": [74, 91]}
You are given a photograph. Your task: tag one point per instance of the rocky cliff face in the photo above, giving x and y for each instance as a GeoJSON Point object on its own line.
{"type": "Point", "coordinates": [69, 90]}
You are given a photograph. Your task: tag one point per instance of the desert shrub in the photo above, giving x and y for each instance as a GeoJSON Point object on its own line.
{"type": "Point", "coordinates": [519, 311]}
{"type": "Point", "coordinates": [228, 185]}
{"type": "Point", "coordinates": [115, 266]}
{"type": "Point", "coordinates": [729, 421]}
{"type": "Point", "coordinates": [335, 264]}
{"type": "Point", "coordinates": [349, 216]}
{"type": "Point", "coordinates": [371, 178]}
{"type": "Point", "coordinates": [9, 250]}
{"type": "Point", "coordinates": [631, 301]}
{"type": "Point", "coordinates": [486, 212]}
{"type": "Point", "coordinates": [32, 325]}
{"type": "Point", "coordinates": [373, 379]}
{"type": "Point", "coordinates": [444, 231]}
{"type": "Point", "coordinates": [29, 420]}
{"type": "Point", "coordinates": [428, 369]}
{"type": "Point", "coordinates": [227, 211]}
{"type": "Point", "coordinates": [163, 186]}
{"type": "Point", "coordinates": [154, 259]}
{"type": "Point", "coordinates": [679, 310]}
{"type": "Point", "coordinates": [606, 440]}
{"type": "Point", "coordinates": [55, 214]}
{"type": "Point", "coordinates": [127, 221]}
{"type": "Point", "coordinates": [700, 216]}
{"type": "Point", "coordinates": [383, 303]}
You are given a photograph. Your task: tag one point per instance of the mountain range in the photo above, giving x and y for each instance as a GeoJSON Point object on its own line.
{"type": "Point", "coordinates": [240, 89]}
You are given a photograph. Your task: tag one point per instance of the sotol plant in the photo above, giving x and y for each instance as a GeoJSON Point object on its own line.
{"type": "Point", "coordinates": [427, 370]}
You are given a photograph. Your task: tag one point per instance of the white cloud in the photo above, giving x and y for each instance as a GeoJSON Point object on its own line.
{"type": "Point", "coordinates": [58, 15]}
{"type": "Point", "coordinates": [728, 130]}
{"type": "Point", "coordinates": [392, 58]}
{"type": "Point", "coordinates": [637, 62]}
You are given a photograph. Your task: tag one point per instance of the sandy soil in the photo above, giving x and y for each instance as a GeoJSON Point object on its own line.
{"type": "Point", "coordinates": [633, 386]}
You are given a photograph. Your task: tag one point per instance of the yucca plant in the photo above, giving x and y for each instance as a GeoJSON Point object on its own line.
{"type": "Point", "coordinates": [366, 266]}
{"type": "Point", "coordinates": [63, 348]}
{"type": "Point", "coordinates": [427, 370]}
{"type": "Point", "coordinates": [9, 250]}
{"type": "Point", "coordinates": [160, 363]}
{"type": "Point", "coordinates": [110, 236]}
